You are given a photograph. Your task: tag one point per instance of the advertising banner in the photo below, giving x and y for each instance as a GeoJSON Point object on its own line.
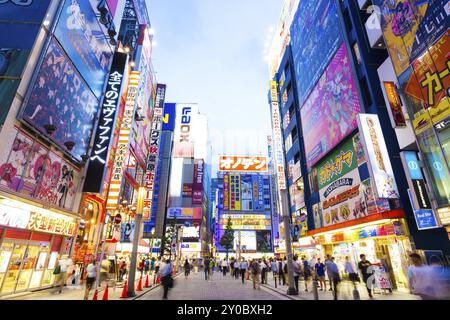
{"type": "Point", "coordinates": [79, 32]}
{"type": "Point", "coordinates": [330, 112]}
{"type": "Point", "coordinates": [243, 164]}
{"type": "Point", "coordinates": [106, 124]}
{"type": "Point", "coordinates": [409, 27]}
{"type": "Point", "coordinates": [315, 37]}
{"type": "Point", "coordinates": [226, 192]}
{"type": "Point", "coordinates": [61, 98]}
{"type": "Point", "coordinates": [52, 222]}
{"type": "Point", "coordinates": [187, 190]}
{"type": "Point", "coordinates": [277, 137]}
{"type": "Point", "coordinates": [197, 197]}
{"type": "Point", "coordinates": [246, 239]}
{"type": "Point", "coordinates": [395, 104]}
{"type": "Point", "coordinates": [154, 148]}
{"type": "Point", "coordinates": [235, 192]}
{"type": "Point", "coordinates": [185, 213]}
{"type": "Point", "coordinates": [246, 193]}
{"type": "Point", "coordinates": [246, 221]}
{"type": "Point", "coordinates": [31, 169]}
{"type": "Point", "coordinates": [183, 143]}
{"type": "Point", "coordinates": [258, 192]}
{"type": "Point", "coordinates": [120, 156]}
{"type": "Point", "coordinates": [127, 232]}
{"type": "Point", "coordinates": [425, 218]}
{"type": "Point", "coordinates": [378, 157]}
{"type": "Point", "coordinates": [263, 241]}
{"type": "Point", "coordinates": [169, 117]}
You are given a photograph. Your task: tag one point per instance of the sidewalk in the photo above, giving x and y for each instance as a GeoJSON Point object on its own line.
{"type": "Point", "coordinates": [76, 292]}
{"type": "Point", "coordinates": [345, 292]}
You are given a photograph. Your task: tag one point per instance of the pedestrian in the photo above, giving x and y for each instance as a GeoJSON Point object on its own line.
{"type": "Point", "coordinates": [366, 271]}
{"type": "Point", "coordinates": [206, 268]}
{"type": "Point", "coordinates": [264, 270]}
{"type": "Point", "coordinates": [273, 267]}
{"type": "Point", "coordinates": [255, 272]}
{"type": "Point", "coordinates": [165, 274]}
{"type": "Point", "coordinates": [123, 269]}
{"type": "Point", "coordinates": [141, 267]}
{"type": "Point", "coordinates": [297, 271]}
{"type": "Point", "coordinates": [152, 265]}
{"type": "Point", "coordinates": [327, 265]}
{"type": "Point", "coordinates": [187, 268]}
{"type": "Point", "coordinates": [350, 271]}
{"type": "Point", "coordinates": [237, 269]}
{"type": "Point", "coordinates": [232, 272]}
{"type": "Point", "coordinates": [243, 266]}
{"type": "Point", "coordinates": [285, 270]}
{"type": "Point", "coordinates": [147, 266]}
{"type": "Point", "coordinates": [320, 274]}
{"type": "Point", "coordinates": [91, 272]}
{"type": "Point", "coordinates": [306, 272]}
{"type": "Point", "coordinates": [224, 267]}
{"type": "Point", "coordinates": [415, 274]}
{"type": "Point", "coordinates": [212, 264]}
{"type": "Point", "coordinates": [335, 277]}
{"type": "Point", "coordinates": [64, 263]}
{"type": "Point", "coordinates": [281, 272]}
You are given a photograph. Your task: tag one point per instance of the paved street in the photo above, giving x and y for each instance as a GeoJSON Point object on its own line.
{"type": "Point", "coordinates": [220, 288]}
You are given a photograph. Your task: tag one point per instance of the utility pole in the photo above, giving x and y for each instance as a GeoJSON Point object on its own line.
{"type": "Point", "coordinates": [137, 235]}
{"type": "Point", "coordinates": [287, 233]}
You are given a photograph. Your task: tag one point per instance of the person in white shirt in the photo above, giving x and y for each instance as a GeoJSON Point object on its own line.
{"type": "Point", "coordinates": [243, 266]}
{"type": "Point", "coordinates": [166, 276]}
{"type": "Point", "coordinates": [91, 273]}
{"type": "Point", "coordinates": [224, 265]}
{"type": "Point", "coordinates": [65, 262]}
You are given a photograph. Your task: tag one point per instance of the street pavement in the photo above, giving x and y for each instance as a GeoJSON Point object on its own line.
{"type": "Point", "coordinates": [219, 288]}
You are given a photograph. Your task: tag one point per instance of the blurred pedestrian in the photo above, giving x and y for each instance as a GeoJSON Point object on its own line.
{"type": "Point", "coordinates": [264, 270]}
{"type": "Point", "coordinates": [206, 268]}
{"type": "Point", "coordinates": [350, 271]}
{"type": "Point", "coordinates": [320, 274]}
{"type": "Point", "coordinates": [281, 272]}
{"type": "Point", "coordinates": [327, 265]}
{"type": "Point", "coordinates": [165, 274]}
{"type": "Point", "coordinates": [187, 268]}
{"type": "Point", "coordinates": [297, 271]}
{"type": "Point", "coordinates": [91, 273]}
{"type": "Point", "coordinates": [333, 271]}
{"type": "Point", "coordinates": [243, 266]}
{"type": "Point", "coordinates": [255, 270]}
{"type": "Point", "coordinates": [306, 272]}
{"type": "Point", "coordinates": [365, 266]}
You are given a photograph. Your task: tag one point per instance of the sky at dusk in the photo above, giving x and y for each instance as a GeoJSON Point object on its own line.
{"type": "Point", "coordinates": [212, 52]}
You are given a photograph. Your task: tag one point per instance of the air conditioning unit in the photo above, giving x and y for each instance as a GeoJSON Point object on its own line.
{"type": "Point", "coordinates": [374, 32]}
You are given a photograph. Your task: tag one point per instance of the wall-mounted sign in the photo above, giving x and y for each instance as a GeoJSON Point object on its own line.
{"type": "Point", "coordinates": [14, 217]}
{"type": "Point", "coordinates": [197, 186]}
{"type": "Point", "coordinates": [169, 116]}
{"type": "Point", "coordinates": [106, 123]}
{"type": "Point", "coordinates": [378, 156]}
{"type": "Point", "coordinates": [226, 192]}
{"type": "Point", "coordinates": [183, 144]}
{"type": "Point", "coordinates": [425, 218]}
{"type": "Point", "coordinates": [52, 222]}
{"type": "Point", "coordinates": [185, 213]}
{"type": "Point", "coordinates": [243, 164]}
{"type": "Point", "coordinates": [191, 246]}
{"type": "Point", "coordinates": [277, 137]}
{"type": "Point", "coordinates": [122, 145]}
{"type": "Point", "coordinates": [153, 154]}
{"type": "Point", "coordinates": [235, 192]}
{"type": "Point", "coordinates": [394, 102]}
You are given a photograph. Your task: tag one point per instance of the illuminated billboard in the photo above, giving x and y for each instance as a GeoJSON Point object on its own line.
{"type": "Point", "coordinates": [183, 144]}
{"type": "Point", "coordinates": [184, 213]}
{"type": "Point", "coordinates": [243, 164]}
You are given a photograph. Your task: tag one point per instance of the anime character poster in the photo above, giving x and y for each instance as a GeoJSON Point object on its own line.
{"type": "Point", "coordinates": [330, 112]}
{"type": "Point", "coordinates": [60, 97]}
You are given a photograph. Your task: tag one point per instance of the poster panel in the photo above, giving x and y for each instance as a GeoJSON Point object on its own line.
{"type": "Point", "coordinates": [226, 192]}
{"type": "Point", "coordinates": [197, 186]}
{"type": "Point", "coordinates": [235, 192]}
{"type": "Point", "coordinates": [330, 112]}
{"type": "Point", "coordinates": [246, 193]}
{"type": "Point", "coordinates": [264, 241]}
{"type": "Point", "coordinates": [61, 98]}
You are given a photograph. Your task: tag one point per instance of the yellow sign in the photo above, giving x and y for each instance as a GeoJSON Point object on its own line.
{"type": "Point", "coordinates": [52, 223]}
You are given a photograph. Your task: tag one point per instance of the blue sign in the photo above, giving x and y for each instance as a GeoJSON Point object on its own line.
{"type": "Point", "coordinates": [169, 117]}
{"type": "Point", "coordinates": [23, 10]}
{"type": "Point", "coordinates": [315, 37]}
{"type": "Point", "coordinates": [413, 165]}
{"type": "Point", "coordinates": [81, 36]}
{"type": "Point", "coordinates": [425, 218]}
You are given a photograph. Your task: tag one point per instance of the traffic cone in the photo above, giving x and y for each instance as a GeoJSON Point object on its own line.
{"type": "Point", "coordinates": [105, 295]}
{"type": "Point", "coordinates": [146, 282]}
{"type": "Point", "coordinates": [139, 287]}
{"type": "Point", "coordinates": [157, 280]}
{"type": "Point", "coordinates": [124, 291]}
{"type": "Point", "coordinates": [95, 295]}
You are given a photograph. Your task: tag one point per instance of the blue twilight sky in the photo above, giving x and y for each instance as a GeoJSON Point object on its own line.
{"type": "Point", "coordinates": [211, 52]}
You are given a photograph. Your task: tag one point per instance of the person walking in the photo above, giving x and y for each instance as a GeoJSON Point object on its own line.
{"type": "Point", "coordinates": [232, 269]}
{"type": "Point", "coordinates": [320, 274]}
{"type": "Point", "coordinates": [327, 265]}
{"type": "Point", "coordinates": [212, 264]}
{"type": "Point", "coordinates": [165, 274]}
{"type": "Point", "coordinates": [255, 272]}
{"type": "Point", "coordinates": [206, 267]}
{"type": "Point", "coordinates": [350, 271]}
{"type": "Point", "coordinates": [243, 266]}
{"type": "Point", "coordinates": [335, 277]}
{"type": "Point", "coordinates": [264, 270]}
{"type": "Point", "coordinates": [141, 267]}
{"type": "Point", "coordinates": [281, 272]}
{"type": "Point", "coordinates": [91, 272]}
{"type": "Point", "coordinates": [147, 266]}
{"type": "Point", "coordinates": [237, 269]}
{"type": "Point", "coordinates": [306, 272]}
{"type": "Point", "coordinates": [273, 267]}
{"type": "Point", "coordinates": [224, 267]}
{"type": "Point", "coordinates": [64, 265]}
{"type": "Point", "coordinates": [366, 271]}
{"type": "Point", "coordinates": [187, 269]}
{"type": "Point", "coordinates": [297, 271]}
{"type": "Point", "coordinates": [123, 269]}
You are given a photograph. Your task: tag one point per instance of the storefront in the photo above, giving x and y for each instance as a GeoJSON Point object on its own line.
{"type": "Point", "coordinates": [385, 243]}
{"type": "Point", "coordinates": [31, 241]}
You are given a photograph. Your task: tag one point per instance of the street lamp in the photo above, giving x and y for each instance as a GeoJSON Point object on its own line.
{"type": "Point", "coordinates": [290, 266]}
{"type": "Point", "coordinates": [137, 234]}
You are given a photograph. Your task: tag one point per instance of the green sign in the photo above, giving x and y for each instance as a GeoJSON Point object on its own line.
{"type": "Point", "coordinates": [340, 162]}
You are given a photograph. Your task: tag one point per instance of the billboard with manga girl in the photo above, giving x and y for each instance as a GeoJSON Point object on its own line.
{"type": "Point", "coordinates": [33, 170]}
{"type": "Point", "coordinates": [59, 97]}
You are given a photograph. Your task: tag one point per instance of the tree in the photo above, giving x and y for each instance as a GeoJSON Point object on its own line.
{"type": "Point", "coordinates": [166, 240]}
{"type": "Point", "coordinates": [227, 239]}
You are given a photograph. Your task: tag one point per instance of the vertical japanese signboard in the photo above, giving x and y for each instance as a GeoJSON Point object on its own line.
{"type": "Point", "coordinates": [226, 192]}
{"type": "Point", "coordinates": [235, 192]}
{"type": "Point", "coordinates": [197, 197]}
{"type": "Point", "coordinates": [394, 102]}
{"type": "Point", "coordinates": [122, 145]}
{"type": "Point", "coordinates": [277, 138]}
{"type": "Point", "coordinates": [155, 140]}
{"type": "Point", "coordinates": [105, 128]}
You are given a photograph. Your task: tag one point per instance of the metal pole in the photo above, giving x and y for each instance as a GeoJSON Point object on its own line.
{"type": "Point", "coordinates": [285, 209]}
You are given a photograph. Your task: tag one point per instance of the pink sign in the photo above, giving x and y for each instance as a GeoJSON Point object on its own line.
{"type": "Point", "coordinates": [329, 114]}
{"type": "Point", "coordinates": [197, 197]}
{"type": "Point", "coordinates": [112, 5]}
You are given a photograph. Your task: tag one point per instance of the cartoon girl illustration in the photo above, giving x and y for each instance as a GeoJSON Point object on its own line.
{"type": "Point", "coordinates": [65, 184]}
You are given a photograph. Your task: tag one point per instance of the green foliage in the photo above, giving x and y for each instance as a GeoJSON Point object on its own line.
{"type": "Point", "coordinates": [227, 239]}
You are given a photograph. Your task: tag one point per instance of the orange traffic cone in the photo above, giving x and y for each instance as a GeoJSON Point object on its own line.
{"type": "Point", "coordinates": [124, 291]}
{"type": "Point", "coordinates": [95, 295]}
{"type": "Point", "coordinates": [105, 295]}
{"type": "Point", "coordinates": [139, 287]}
{"type": "Point", "coordinates": [146, 282]}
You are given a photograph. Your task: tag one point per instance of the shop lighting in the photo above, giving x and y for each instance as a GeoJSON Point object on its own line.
{"type": "Point", "coordinates": [92, 221]}
{"type": "Point", "coordinates": [354, 228]}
